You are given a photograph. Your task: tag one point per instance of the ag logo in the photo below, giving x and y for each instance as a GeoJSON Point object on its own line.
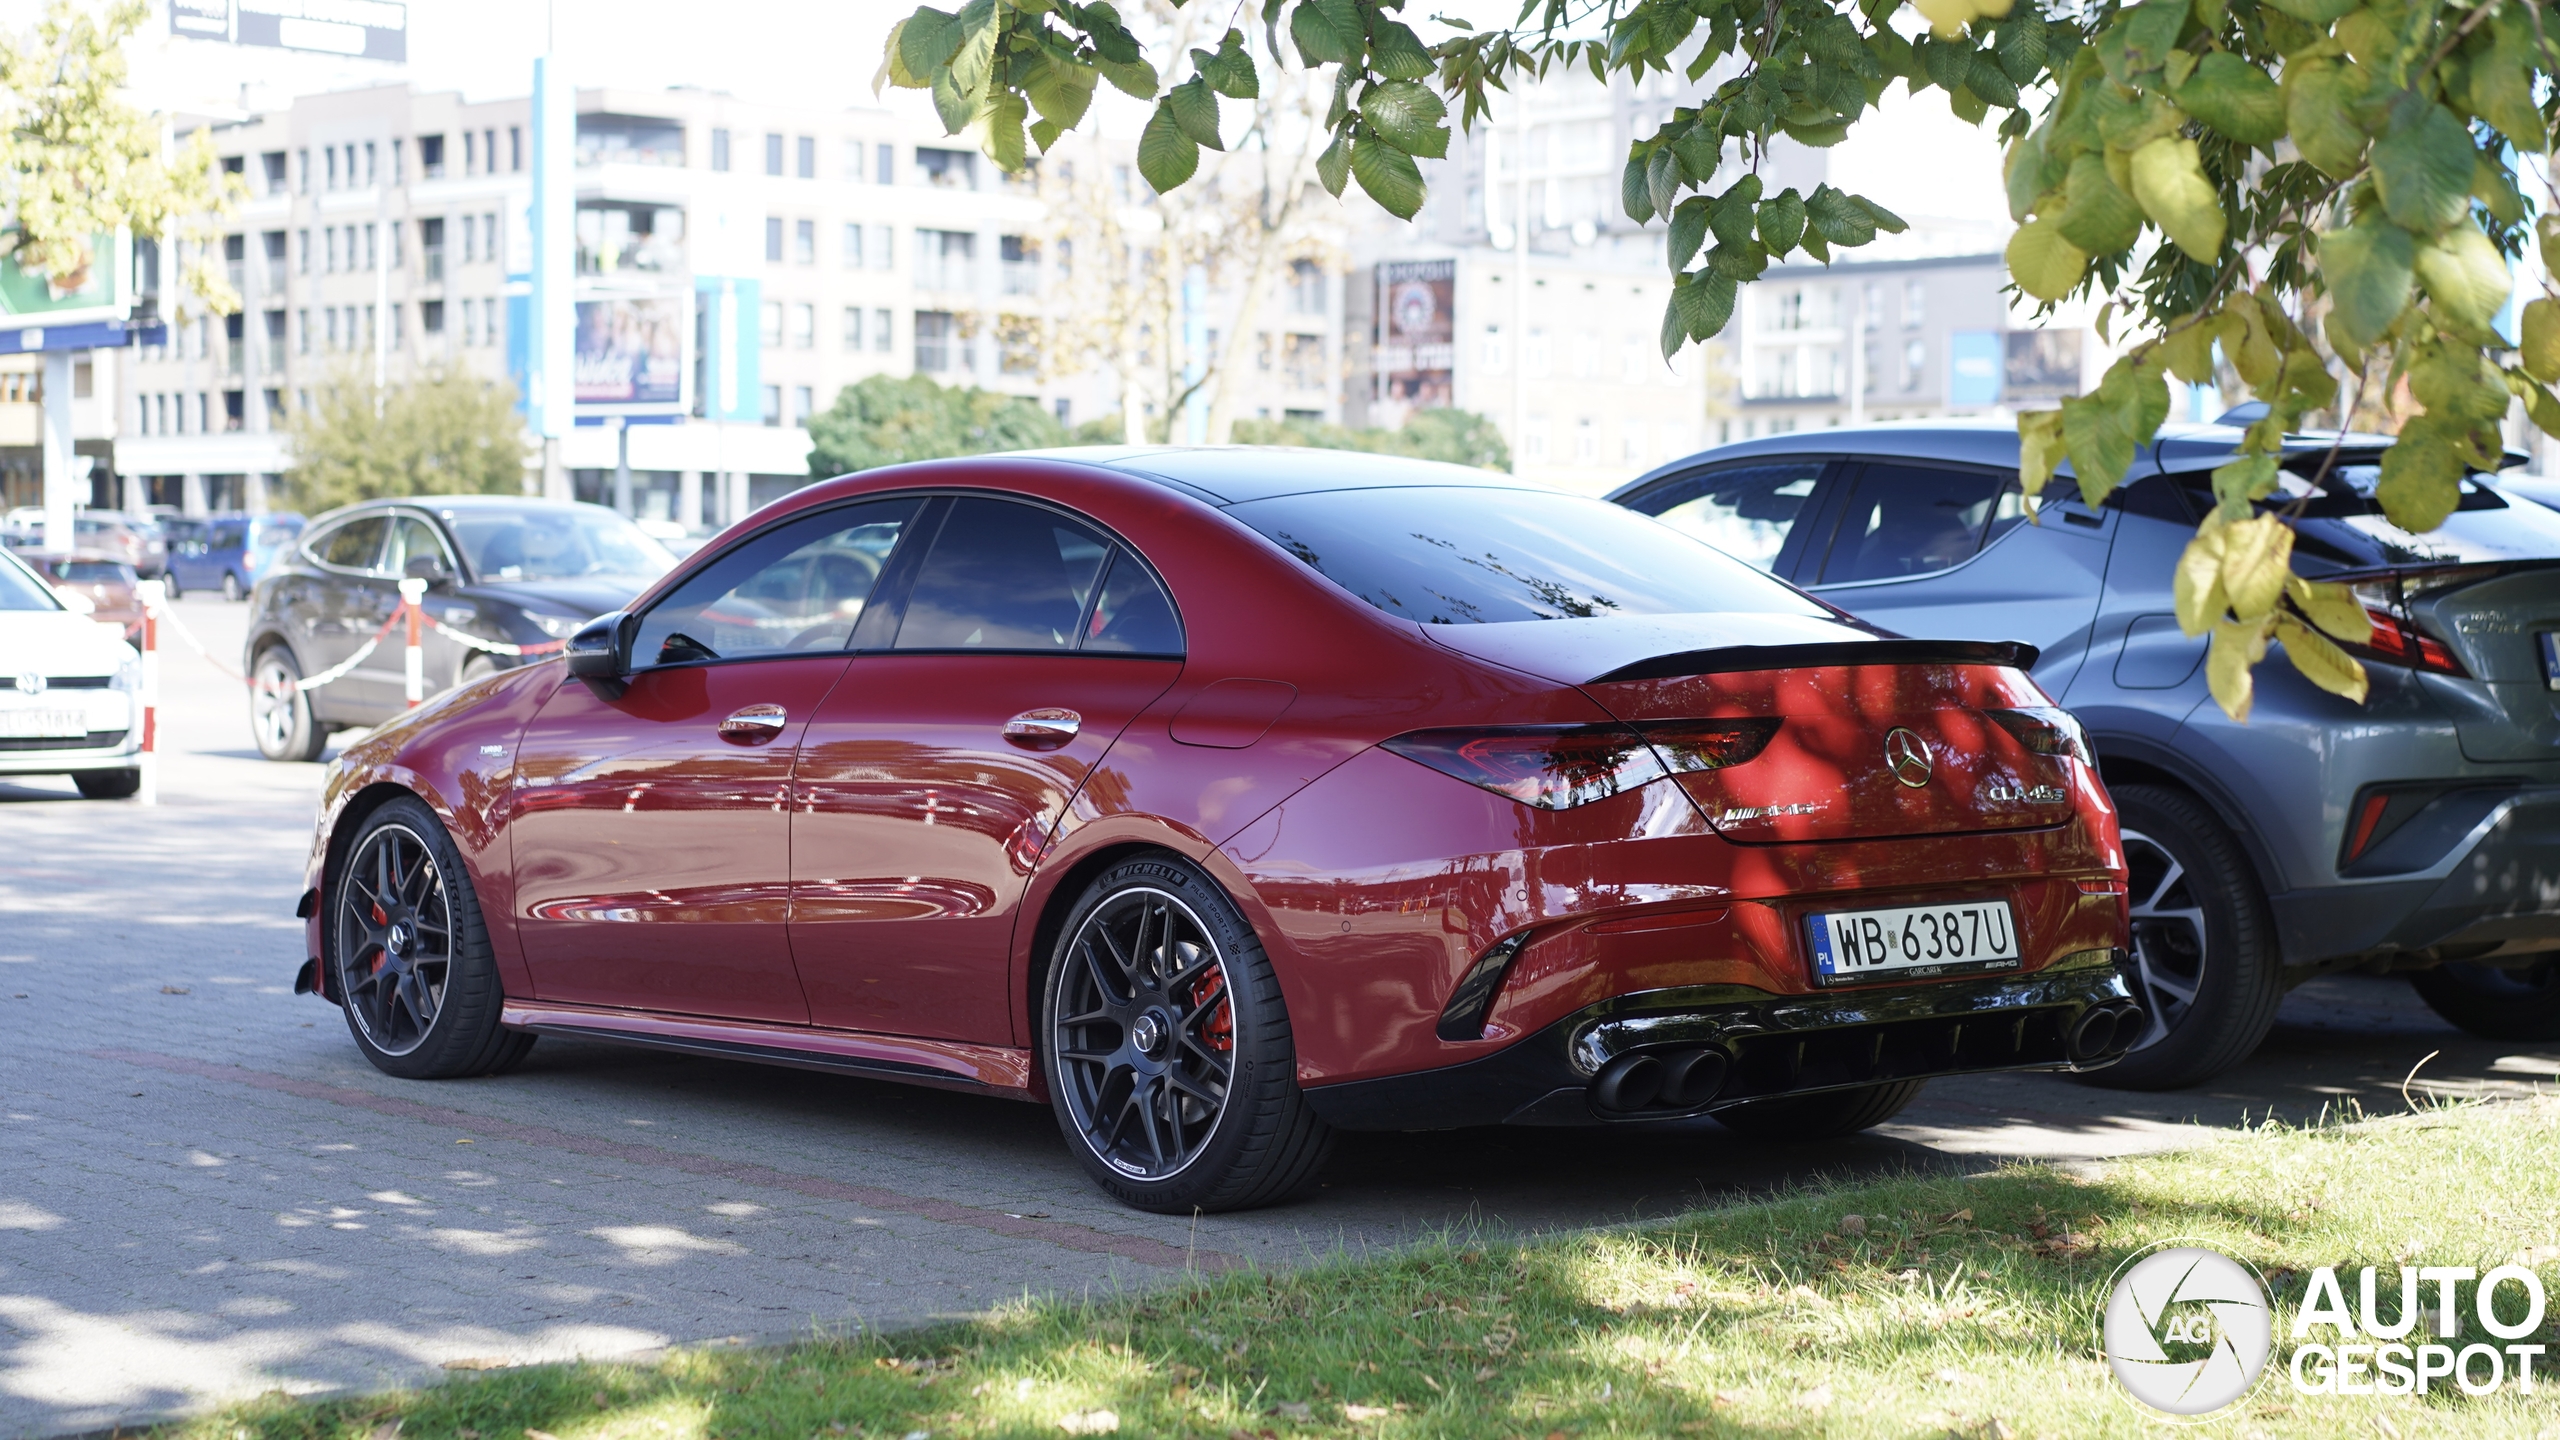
{"type": "Point", "coordinates": [2187, 1330]}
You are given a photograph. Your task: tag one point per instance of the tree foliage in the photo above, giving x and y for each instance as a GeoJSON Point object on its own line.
{"type": "Point", "coordinates": [1460, 437]}
{"type": "Point", "coordinates": [892, 419]}
{"type": "Point", "coordinates": [77, 161]}
{"type": "Point", "coordinates": [2302, 189]}
{"type": "Point", "coordinates": [446, 433]}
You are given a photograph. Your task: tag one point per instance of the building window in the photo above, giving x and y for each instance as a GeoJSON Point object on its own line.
{"type": "Point", "coordinates": [1021, 262]}
{"type": "Point", "coordinates": [370, 155]}
{"type": "Point", "coordinates": [883, 338]}
{"type": "Point", "coordinates": [773, 239]}
{"type": "Point", "coordinates": [304, 156]}
{"type": "Point", "coordinates": [888, 162]}
{"type": "Point", "coordinates": [399, 164]}
{"type": "Point", "coordinates": [1915, 304]}
{"type": "Point", "coordinates": [275, 407]}
{"type": "Point", "coordinates": [515, 147]}
{"type": "Point", "coordinates": [772, 154]}
{"type": "Point", "coordinates": [1586, 441]}
{"type": "Point", "coordinates": [302, 331]}
{"type": "Point", "coordinates": [804, 403]}
{"type": "Point", "coordinates": [330, 158]}
{"type": "Point", "coordinates": [431, 317]}
{"type": "Point", "coordinates": [470, 153]}
{"type": "Point", "coordinates": [950, 169]}
{"type": "Point", "coordinates": [431, 157]}
{"type": "Point", "coordinates": [1306, 287]}
{"type": "Point", "coordinates": [883, 247]}
{"type": "Point", "coordinates": [852, 247]}
{"type": "Point", "coordinates": [936, 335]}
{"type": "Point", "coordinates": [808, 157]}
{"type": "Point", "coordinates": [804, 242]}
{"type": "Point", "coordinates": [1915, 363]}
{"type": "Point", "coordinates": [235, 409]}
{"type": "Point", "coordinates": [1533, 438]}
{"type": "Point", "coordinates": [852, 328]}
{"type": "Point", "coordinates": [720, 150]}
{"type": "Point", "coordinates": [856, 152]}
{"type": "Point", "coordinates": [773, 406]}
{"type": "Point", "coordinates": [945, 259]}
{"type": "Point", "coordinates": [804, 326]}
{"type": "Point", "coordinates": [272, 163]}
{"type": "Point", "coordinates": [302, 241]}
{"type": "Point", "coordinates": [332, 313]}
{"type": "Point", "coordinates": [431, 248]}
{"type": "Point", "coordinates": [372, 247]}
{"type": "Point", "coordinates": [773, 324]}
{"type": "Point", "coordinates": [1306, 362]}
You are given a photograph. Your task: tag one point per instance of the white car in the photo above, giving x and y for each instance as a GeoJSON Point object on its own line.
{"type": "Point", "coordinates": [70, 689]}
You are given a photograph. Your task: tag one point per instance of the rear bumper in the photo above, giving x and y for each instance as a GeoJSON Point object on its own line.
{"type": "Point", "coordinates": [1769, 1045]}
{"type": "Point", "coordinates": [2492, 888]}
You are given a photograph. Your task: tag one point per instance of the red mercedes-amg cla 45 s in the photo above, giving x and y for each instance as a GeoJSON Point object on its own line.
{"type": "Point", "coordinates": [1222, 799]}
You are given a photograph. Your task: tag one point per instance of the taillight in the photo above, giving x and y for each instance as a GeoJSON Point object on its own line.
{"type": "Point", "coordinates": [1556, 767]}
{"type": "Point", "coordinates": [2397, 639]}
{"type": "Point", "coordinates": [2368, 816]}
{"type": "Point", "coordinates": [2044, 730]}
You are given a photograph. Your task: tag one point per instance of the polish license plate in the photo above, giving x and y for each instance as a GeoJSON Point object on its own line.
{"type": "Point", "coordinates": [50, 723]}
{"type": "Point", "coordinates": [1915, 941]}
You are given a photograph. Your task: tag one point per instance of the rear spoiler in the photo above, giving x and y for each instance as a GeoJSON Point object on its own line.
{"type": "Point", "coordinates": [1728, 659]}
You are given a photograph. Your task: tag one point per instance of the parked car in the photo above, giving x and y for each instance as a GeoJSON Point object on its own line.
{"type": "Point", "coordinates": [134, 539]}
{"type": "Point", "coordinates": [1224, 798]}
{"type": "Point", "coordinates": [68, 707]}
{"type": "Point", "coordinates": [105, 585]}
{"type": "Point", "coordinates": [212, 552]}
{"type": "Point", "coordinates": [271, 540]}
{"type": "Point", "coordinates": [503, 571]}
{"type": "Point", "coordinates": [2412, 833]}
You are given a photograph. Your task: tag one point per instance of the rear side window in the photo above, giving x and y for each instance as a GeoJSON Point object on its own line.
{"type": "Point", "coordinates": [1455, 555]}
{"type": "Point", "coordinates": [1904, 520]}
{"type": "Point", "coordinates": [1134, 616]}
{"type": "Point", "coordinates": [352, 546]}
{"type": "Point", "coordinates": [1745, 512]}
{"type": "Point", "coordinates": [1003, 576]}
{"type": "Point", "coordinates": [797, 588]}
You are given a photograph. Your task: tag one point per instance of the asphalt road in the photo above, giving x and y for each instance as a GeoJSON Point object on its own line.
{"type": "Point", "coordinates": [205, 1192]}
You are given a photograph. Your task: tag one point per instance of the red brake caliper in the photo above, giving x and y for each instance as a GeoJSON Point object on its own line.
{"type": "Point", "coordinates": [1220, 1032]}
{"type": "Point", "coordinates": [379, 955]}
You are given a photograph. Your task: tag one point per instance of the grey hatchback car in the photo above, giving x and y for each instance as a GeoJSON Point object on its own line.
{"type": "Point", "coordinates": [2418, 832]}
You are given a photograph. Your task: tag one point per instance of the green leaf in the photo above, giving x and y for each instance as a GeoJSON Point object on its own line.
{"type": "Point", "coordinates": [974, 57]}
{"type": "Point", "coordinates": [1389, 175]}
{"type": "Point", "coordinates": [2466, 277]}
{"type": "Point", "coordinates": [2236, 98]}
{"type": "Point", "coordinates": [1396, 52]}
{"type": "Point", "coordinates": [1345, 19]}
{"type": "Point", "coordinates": [2539, 340]}
{"type": "Point", "coordinates": [2023, 172]}
{"type": "Point", "coordinates": [1688, 232]}
{"type": "Point", "coordinates": [2421, 475]}
{"type": "Point", "coordinates": [954, 107]}
{"type": "Point", "coordinates": [2543, 410]}
{"type": "Point", "coordinates": [1782, 221]}
{"type": "Point", "coordinates": [2320, 661]}
{"type": "Point", "coordinates": [1062, 92]}
{"type": "Point", "coordinates": [1136, 79]}
{"type": "Point", "coordinates": [2496, 191]}
{"type": "Point", "coordinates": [2150, 29]}
{"type": "Point", "coordinates": [2317, 94]}
{"type": "Point", "coordinates": [2422, 165]}
{"type": "Point", "coordinates": [1231, 70]}
{"type": "Point", "coordinates": [1886, 220]}
{"type": "Point", "coordinates": [1407, 116]}
{"type": "Point", "coordinates": [1986, 79]}
{"type": "Point", "coordinates": [2315, 12]}
{"type": "Point", "coordinates": [2502, 82]}
{"type": "Point", "coordinates": [2019, 41]}
{"type": "Point", "coordinates": [1166, 156]}
{"type": "Point", "coordinates": [2044, 264]}
{"type": "Point", "coordinates": [1662, 180]}
{"type": "Point", "coordinates": [2369, 270]}
{"type": "Point", "coordinates": [2097, 216]}
{"type": "Point", "coordinates": [1733, 214]}
{"type": "Point", "coordinates": [2251, 477]}
{"type": "Point", "coordinates": [1635, 191]}
{"type": "Point", "coordinates": [1838, 219]}
{"type": "Point", "coordinates": [924, 43]}
{"type": "Point", "coordinates": [1194, 107]}
{"type": "Point", "coordinates": [1333, 167]}
{"type": "Point", "coordinates": [1705, 304]}
{"type": "Point", "coordinates": [2453, 379]}
{"type": "Point", "coordinates": [1946, 63]}
{"type": "Point", "coordinates": [1005, 115]}
{"type": "Point", "coordinates": [1675, 329]}
{"type": "Point", "coordinates": [2169, 183]}
{"type": "Point", "coordinates": [1317, 41]}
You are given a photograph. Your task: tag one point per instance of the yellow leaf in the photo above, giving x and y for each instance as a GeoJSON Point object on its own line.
{"type": "Point", "coordinates": [2169, 183]}
{"type": "Point", "coordinates": [2236, 647]}
{"type": "Point", "coordinates": [2543, 410]}
{"type": "Point", "coordinates": [2333, 608]}
{"type": "Point", "coordinates": [2257, 556]}
{"type": "Point", "coordinates": [2247, 344]}
{"type": "Point", "coordinates": [2186, 347]}
{"type": "Point", "coordinates": [1947, 18]}
{"type": "Point", "coordinates": [2321, 663]}
{"type": "Point", "coordinates": [2039, 450]}
{"type": "Point", "coordinates": [2044, 264]}
{"type": "Point", "coordinates": [2540, 347]}
{"type": "Point", "coordinates": [2197, 590]}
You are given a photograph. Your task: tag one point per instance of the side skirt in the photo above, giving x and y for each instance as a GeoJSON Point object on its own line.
{"type": "Point", "coordinates": [996, 1070]}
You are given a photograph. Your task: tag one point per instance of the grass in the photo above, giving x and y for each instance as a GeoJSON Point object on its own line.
{"type": "Point", "coordinates": [1914, 1306]}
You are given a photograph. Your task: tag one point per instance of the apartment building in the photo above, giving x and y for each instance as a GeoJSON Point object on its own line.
{"type": "Point", "coordinates": [388, 233]}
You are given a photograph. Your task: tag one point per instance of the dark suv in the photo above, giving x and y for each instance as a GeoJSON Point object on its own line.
{"type": "Point", "coordinates": [2417, 832]}
{"type": "Point", "coordinates": [506, 573]}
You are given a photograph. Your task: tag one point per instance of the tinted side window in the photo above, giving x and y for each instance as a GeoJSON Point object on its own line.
{"type": "Point", "coordinates": [354, 545]}
{"type": "Point", "coordinates": [1904, 520]}
{"type": "Point", "coordinates": [412, 537]}
{"type": "Point", "coordinates": [227, 537]}
{"type": "Point", "coordinates": [796, 588]}
{"type": "Point", "coordinates": [1002, 576]}
{"type": "Point", "coordinates": [1745, 512]}
{"type": "Point", "coordinates": [1134, 616]}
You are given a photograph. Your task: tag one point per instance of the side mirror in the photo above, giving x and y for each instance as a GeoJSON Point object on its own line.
{"type": "Point", "coordinates": [601, 650]}
{"type": "Point", "coordinates": [429, 568]}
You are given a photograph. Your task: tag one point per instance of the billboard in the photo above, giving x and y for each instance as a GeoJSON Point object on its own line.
{"type": "Point", "coordinates": [102, 293]}
{"type": "Point", "coordinates": [630, 353]}
{"type": "Point", "coordinates": [360, 29]}
{"type": "Point", "coordinates": [2041, 365]}
{"type": "Point", "coordinates": [1416, 343]}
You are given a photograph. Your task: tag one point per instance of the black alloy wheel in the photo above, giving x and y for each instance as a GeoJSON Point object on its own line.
{"type": "Point", "coordinates": [280, 717]}
{"type": "Point", "coordinates": [2205, 965]}
{"type": "Point", "coordinates": [2519, 1003]}
{"type": "Point", "coordinates": [411, 959]}
{"type": "Point", "coordinates": [1167, 1050]}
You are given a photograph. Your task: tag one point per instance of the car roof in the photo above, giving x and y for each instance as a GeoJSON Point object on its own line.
{"type": "Point", "coordinates": [2179, 447]}
{"type": "Point", "coordinates": [1234, 474]}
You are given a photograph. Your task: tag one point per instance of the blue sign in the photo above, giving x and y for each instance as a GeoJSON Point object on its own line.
{"type": "Point", "coordinates": [1973, 367]}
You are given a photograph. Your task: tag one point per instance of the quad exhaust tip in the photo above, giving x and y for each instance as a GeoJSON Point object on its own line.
{"type": "Point", "coordinates": [1660, 1083]}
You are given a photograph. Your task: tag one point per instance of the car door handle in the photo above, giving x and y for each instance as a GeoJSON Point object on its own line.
{"type": "Point", "coordinates": [753, 724]}
{"type": "Point", "coordinates": [1046, 728]}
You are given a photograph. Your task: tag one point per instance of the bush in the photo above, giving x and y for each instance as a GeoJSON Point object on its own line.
{"type": "Point", "coordinates": [890, 420]}
{"type": "Point", "coordinates": [441, 434]}
{"type": "Point", "coordinates": [1460, 437]}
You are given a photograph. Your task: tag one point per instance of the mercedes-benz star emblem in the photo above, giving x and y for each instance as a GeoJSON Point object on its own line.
{"type": "Point", "coordinates": [1907, 756]}
{"type": "Point", "coordinates": [1147, 1034]}
{"type": "Point", "coordinates": [31, 683]}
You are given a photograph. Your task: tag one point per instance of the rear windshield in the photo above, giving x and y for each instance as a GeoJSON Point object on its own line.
{"type": "Point", "coordinates": [1464, 556]}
